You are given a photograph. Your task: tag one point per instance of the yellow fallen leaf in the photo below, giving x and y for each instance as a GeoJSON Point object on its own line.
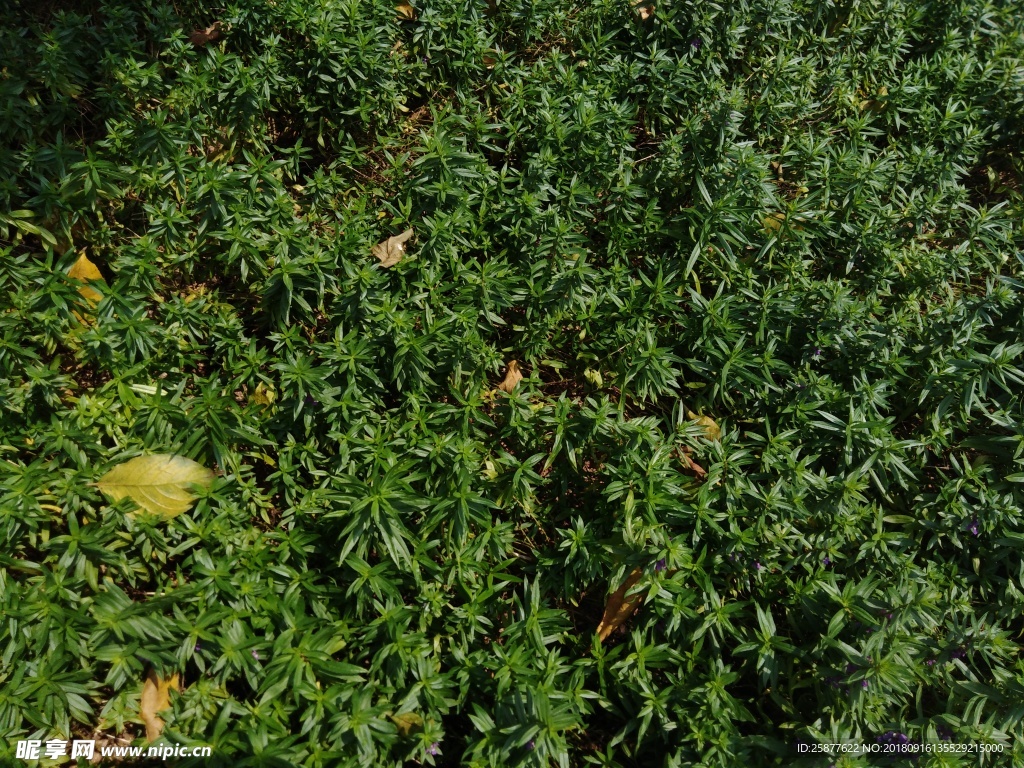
{"type": "Point", "coordinates": [389, 252]}
{"type": "Point", "coordinates": [156, 698]}
{"type": "Point", "coordinates": [407, 723]}
{"type": "Point", "coordinates": [620, 606]}
{"type": "Point", "coordinates": [263, 395]}
{"type": "Point", "coordinates": [512, 378]}
{"type": "Point", "coordinates": [86, 271]}
{"type": "Point", "coordinates": [711, 429]}
{"type": "Point", "coordinates": [161, 484]}
{"type": "Point", "coordinates": [405, 12]}
{"type": "Point", "coordinates": [773, 222]}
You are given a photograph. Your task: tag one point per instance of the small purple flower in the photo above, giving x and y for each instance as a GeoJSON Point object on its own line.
{"type": "Point", "coordinates": [864, 684]}
{"type": "Point", "coordinates": [973, 527]}
{"type": "Point", "coordinates": [660, 565]}
{"type": "Point", "coordinates": [817, 353]}
{"type": "Point", "coordinates": [827, 561]}
{"type": "Point", "coordinates": [944, 733]}
{"type": "Point", "coordinates": [930, 662]}
{"type": "Point", "coordinates": [434, 749]}
{"type": "Point", "coordinates": [199, 647]}
{"type": "Point", "coordinates": [959, 653]}
{"type": "Point", "coordinates": [757, 566]}
{"type": "Point", "coordinates": [695, 43]}
{"type": "Point", "coordinates": [255, 654]}
{"type": "Point", "coordinates": [530, 745]}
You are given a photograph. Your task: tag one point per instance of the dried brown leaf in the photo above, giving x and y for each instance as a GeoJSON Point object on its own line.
{"type": "Point", "coordinates": [156, 698]}
{"type": "Point", "coordinates": [691, 465]}
{"type": "Point", "coordinates": [405, 12]}
{"type": "Point", "coordinates": [512, 377]}
{"type": "Point", "coordinates": [389, 252]}
{"type": "Point", "coordinates": [201, 37]}
{"type": "Point", "coordinates": [620, 606]}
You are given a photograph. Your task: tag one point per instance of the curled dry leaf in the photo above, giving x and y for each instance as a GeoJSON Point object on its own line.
{"type": "Point", "coordinates": [389, 252]}
{"type": "Point", "coordinates": [156, 698]}
{"type": "Point", "coordinates": [201, 37]}
{"type": "Point", "coordinates": [620, 606]}
{"type": "Point", "coordinates": [643, 9]}
{"type": "Point", "coordinates": [161, 484]}
{"type": "Point", "coordinates": [405, 12]}
{"type": "Point", "coordinates": [690, 464]}
{"type": "Point", "coordinates": [512, 377]}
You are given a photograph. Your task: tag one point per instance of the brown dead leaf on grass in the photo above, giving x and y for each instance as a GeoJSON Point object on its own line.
{"type": "Point", "coordinates": [389, 252]}
{"type": "Point", "coordinates": [512, 377]}
{"type": "Point", "coordinates": [201, 37]}
{"type": "Point", "coordinates": [691, 465]}
{"type": "Point", "coordinates": [156, 697]}
{"type": "Point", "coordinates": [643, 10]}
{"type": "Point", "coordinates": [620, 606]}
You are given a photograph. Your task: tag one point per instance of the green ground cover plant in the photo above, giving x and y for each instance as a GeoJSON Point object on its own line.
{"type": "Point", "coordinates": [709, 331]}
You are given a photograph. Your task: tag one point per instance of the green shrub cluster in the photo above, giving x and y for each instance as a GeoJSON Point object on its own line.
{"type": "Point", "coordinates": [800, 219]}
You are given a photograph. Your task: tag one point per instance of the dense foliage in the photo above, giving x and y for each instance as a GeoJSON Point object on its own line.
{"type": "Point", "coordinates": [800, 219]}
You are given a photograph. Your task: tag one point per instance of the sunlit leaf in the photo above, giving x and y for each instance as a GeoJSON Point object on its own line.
{"type": "Point", "coordinates": [620, 606]}
{"type": "Point", "coordinates": [512, 377]}
{"type": "Point", "coordinates": [389, 252]}
{"type": "Point", "coordinates": [155, 698]}
{"type": "Point", "coordinates": [84, 270]}
{"type": "Point", "coordinates": [161, 484]}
